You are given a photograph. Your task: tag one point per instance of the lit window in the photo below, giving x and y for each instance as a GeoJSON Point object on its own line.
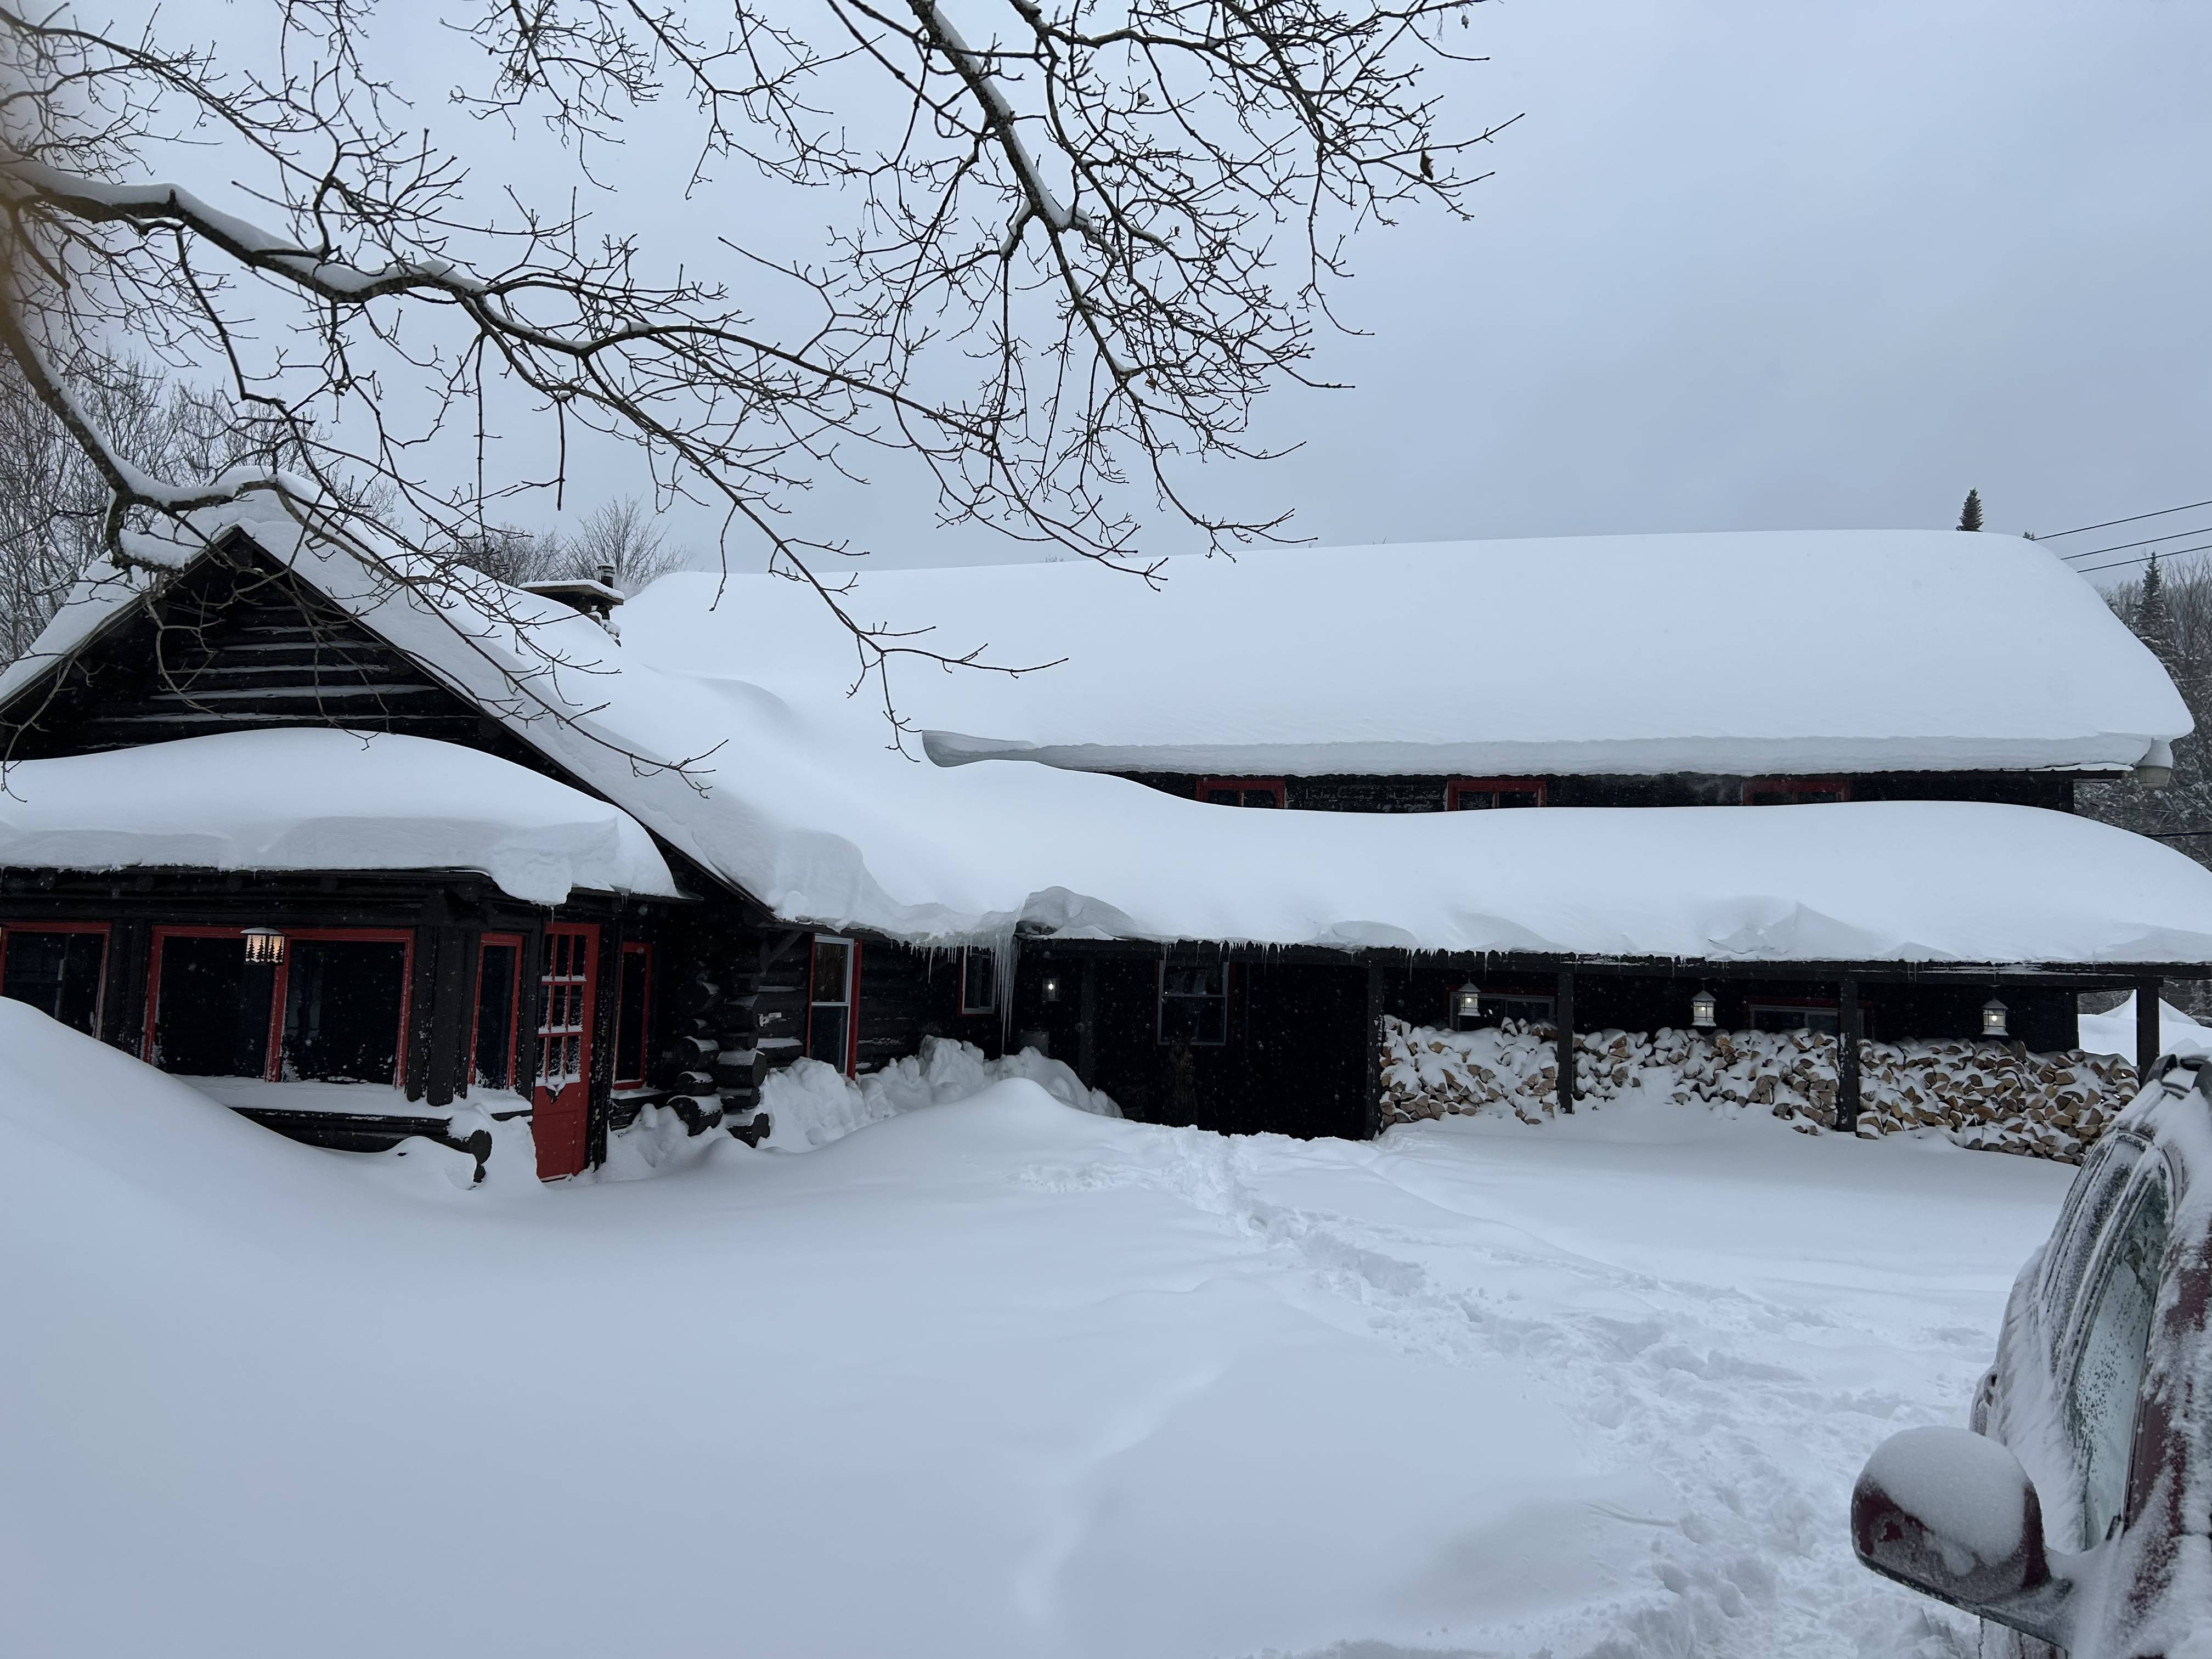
{"type": "Point", "coordinates": [1794, 792]}
{"type": "Point", "coordinates": [1475, 794]}
{"type": "Point", "coordinates": [1194, 1003]}
{"type": "Point", "coordinates": [978, 982]}
{"type": "Point", "coordinates": [1241, 792]}
{"type": "Point", "coordinates": [334, 1009]}
{"type": "Point", "coordinates": [830, 1032]}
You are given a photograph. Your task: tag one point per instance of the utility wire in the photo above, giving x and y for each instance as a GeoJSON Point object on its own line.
{"type": "Point", "coordinates": [2109, 523]}
{"type": "Point", "coordinates": [2143, 558]}
{"type": "Point", "coordinates": [2121, 547]}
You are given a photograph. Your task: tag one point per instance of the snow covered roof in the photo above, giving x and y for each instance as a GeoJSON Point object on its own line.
{"type": "Point", "coordinates": [794, 796]}
{"type": "Point", "coordinates": [1737, 653]}
{"type": "Point", "coordinates": [302, 799]}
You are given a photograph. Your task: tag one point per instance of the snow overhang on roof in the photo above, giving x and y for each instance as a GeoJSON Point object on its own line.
{"type": "Point", "coordinates": [743, 752]}
{"type": "Point", "coordinates": [305, 799]}
{"type": "Point", "coordinates": [1731, 654]}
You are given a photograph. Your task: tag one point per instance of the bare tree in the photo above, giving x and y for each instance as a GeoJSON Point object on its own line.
{"type": "Point", "coordinates": [622, 539]}
{"type": "Point", "coordinates": [1076, 243]}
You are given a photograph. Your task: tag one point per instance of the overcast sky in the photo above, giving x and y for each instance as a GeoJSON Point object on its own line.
{"type": "Point", "coordinates": [1747, 266]}
{"type": "Point", "coordinates": [1743, 264]}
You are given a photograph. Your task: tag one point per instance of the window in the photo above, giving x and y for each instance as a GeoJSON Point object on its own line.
{"type": "Point", "coordinates": [333, 1009]}
{"type": "Point", "coordinates": [1506, 1005]}
{"type": "Point", "coordinates": [499, 1009]}
{"type": "Point", "coordinates": [1793, 792]}
{"type": "Point", "coordinates": [1795, 1016]}
{"type": "Point", "coordinates": [830, 1033]}
{"type": "Point", "coordinates": [564, 1008]}
{"type": "Point", "coordinates": [1241, 792]}
{"type": "Point", "coordinates": [2108, 1373]}
{"type": "Point", "coordinates": [1194, 1003]}
{"type": "Point", "coordinates": [343, 1001]}
{"type": "Point", "coordinates": [1473, 794]}
{"type": "Point", "coordinates": [632, 1007]}
{"type": "Point", "coordinates": [978, 982]}
{"type": "Point", "coordinates": [59, 968]}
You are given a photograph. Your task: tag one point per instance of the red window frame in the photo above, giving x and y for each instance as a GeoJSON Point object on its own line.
{"type": "Point", "coordinates": [851, 997]}
{"type": "Point", "coordinates": [1793, 791]}
{"type": "Point", "coordinates": [498, 941]}
{"type": "Point", "coordinates": [106, 931]}
{"type": "Point", "coordinates": [1272, 785]}
{"type": "Point", "coordinates": [643, 952]}
{"type": "Point", "coordinates": [272, 1064]}
{"type": "Point", "coordinates": [1454, 788]}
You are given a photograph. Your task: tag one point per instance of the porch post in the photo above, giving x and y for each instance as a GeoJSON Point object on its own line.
{"type": "Point", "coordinates": [1086, 1023]}
{"type": "Point", "coordinates": [1371, 1074]}
{"type": "Point", "coordinates": [1847, 1058]}
{"type": "Point", "coordinates": [1563, 1018]}
{"type": "Point", "coordinates": [2147, 1032]}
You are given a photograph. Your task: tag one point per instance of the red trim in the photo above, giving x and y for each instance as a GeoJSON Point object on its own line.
{"type": "Point", "coordinates": [640, 949]}
{"type": "Point", "coordinates": [106, 931]}
{"type": "Point", "coordinates": [561, 1122]}
{"type": "Point", "coordinates": [1454, 788]}
{"type": "Point", "coordinates": [1794, 790]}
{"type": "Point", "coordinates": [497, 941]}
{"type": "Point", "coordinates": [273, 1058]}
{"type": "Point", "coordinates": [1274, 785]}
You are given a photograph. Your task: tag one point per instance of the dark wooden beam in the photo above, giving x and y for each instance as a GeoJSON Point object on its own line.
{"type": "Point", "coordinates": [1847, 1057]}
{"type": "Point", "coordinates": [1372, 1074]}
{"type": "Point", "coordinates": [1086, 1023]}
{"type": "Point", "coordinates": [2148, 1039]}
{"type": "Point", "coordinates": [1564, 1015]}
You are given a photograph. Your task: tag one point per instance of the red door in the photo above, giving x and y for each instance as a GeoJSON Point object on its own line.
{"type": "Point", "coordinates": [560, 1124]}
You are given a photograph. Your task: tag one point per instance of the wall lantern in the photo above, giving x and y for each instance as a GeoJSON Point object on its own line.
{"type": "Point", "coordinates": [1052, 987]}
{"type": "Point", "coordinates": [1993, 1018]}
{"type": "Point", "coordinates": [265, 947]}
{"type": "Point", "coordinates": [1704, 1009]}
{"type": "Point", "coordinates": [2156, 769]}
{"type": "Point", "coordinates": [1466, 1004]}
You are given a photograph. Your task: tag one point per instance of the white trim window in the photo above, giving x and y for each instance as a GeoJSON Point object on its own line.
{"type": "Point", "coordinates": [829, 1001]}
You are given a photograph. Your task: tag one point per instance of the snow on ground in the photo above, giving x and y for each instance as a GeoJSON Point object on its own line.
{"type": "Point", "coordinates": [989, 1377]}
{"type": "Point", "coordinates": [2114, 1033]}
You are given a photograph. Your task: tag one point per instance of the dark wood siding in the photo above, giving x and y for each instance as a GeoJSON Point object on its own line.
{"type": "Point", "coordinates": [1351, 792]}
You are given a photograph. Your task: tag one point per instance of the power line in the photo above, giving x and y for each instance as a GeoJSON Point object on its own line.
{"type": "Point", "coordinates": [2121, 547]}
{"type": "Point", "coordinates": [2143, 558]}
{"type": "Point", "coordinates": [2109, 523]}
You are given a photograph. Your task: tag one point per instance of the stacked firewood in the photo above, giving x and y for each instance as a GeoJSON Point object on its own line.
{"type": "Point", "coordinates": [1994, 1095]}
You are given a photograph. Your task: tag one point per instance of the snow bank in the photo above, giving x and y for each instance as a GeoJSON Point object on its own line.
{"type": "Point", "coordinates": [303, 798]}
{"type": "Point", "coordinates": [2114, 1033]}
{"type": "Point", "coordinates": [1807, 651]}
{"type": "Point", "coordinates": [1988, 1096]}
{"type": "Point", "coordinates": [810, 1104]}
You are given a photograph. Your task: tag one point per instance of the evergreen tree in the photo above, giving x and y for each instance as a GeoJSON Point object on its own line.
{"type": "Point", "coordinates": [1969, 515]}
{"type": "Point", "coordinates": [2154, 622]}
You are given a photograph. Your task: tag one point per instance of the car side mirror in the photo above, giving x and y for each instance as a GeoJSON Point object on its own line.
{"type": "Point", "coordinates": [1952, 1514]}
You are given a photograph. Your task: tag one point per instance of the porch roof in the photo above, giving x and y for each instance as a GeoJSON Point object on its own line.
{"type": "Point", "coordinates": [304, 798]}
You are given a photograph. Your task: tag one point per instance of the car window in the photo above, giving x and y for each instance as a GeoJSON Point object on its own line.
{"type": "Point", "coordinates": [2088, 1207]}
{"type": "Point", "coordinates": [2108, 1370]}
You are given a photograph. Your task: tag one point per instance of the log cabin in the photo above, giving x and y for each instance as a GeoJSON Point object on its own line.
{"type": "Point", "coordinates": [367, 852]}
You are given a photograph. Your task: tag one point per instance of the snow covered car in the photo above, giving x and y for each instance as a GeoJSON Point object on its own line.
{"type": "Point", "coordinates": [2076, 1514]}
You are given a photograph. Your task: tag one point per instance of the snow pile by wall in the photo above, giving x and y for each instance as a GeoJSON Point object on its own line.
{"type": "Point", "coordinates": [1992, 1096]}
{"type": "Point", "coordinates": [810, 1104]}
